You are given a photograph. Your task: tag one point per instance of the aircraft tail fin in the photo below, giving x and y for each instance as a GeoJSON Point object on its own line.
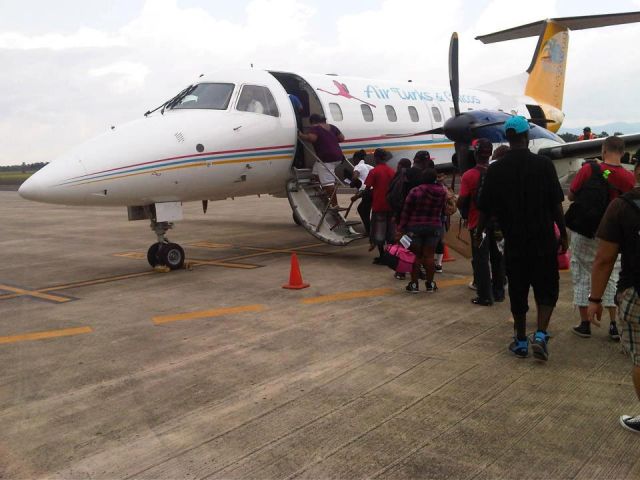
{"type": "Point", "coordinates": [548, 66]}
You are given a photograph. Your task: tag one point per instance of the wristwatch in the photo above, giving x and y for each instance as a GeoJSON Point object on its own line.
{"type": "Point", "coordinates": [594, 300]}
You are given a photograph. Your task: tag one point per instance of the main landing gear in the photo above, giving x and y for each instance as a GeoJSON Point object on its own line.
{"type": "Point", "coordinates": [164, 252]}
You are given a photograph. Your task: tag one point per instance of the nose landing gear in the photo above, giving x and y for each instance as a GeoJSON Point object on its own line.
{"type": "Point", "coordinates": [164, 252]}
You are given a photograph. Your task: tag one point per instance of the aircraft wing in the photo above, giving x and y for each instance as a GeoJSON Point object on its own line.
{"type": "Point", "coordinates": [586, 148]}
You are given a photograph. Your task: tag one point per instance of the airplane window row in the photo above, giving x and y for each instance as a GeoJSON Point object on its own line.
{"type": "Point", "coordinates": [392, 116]}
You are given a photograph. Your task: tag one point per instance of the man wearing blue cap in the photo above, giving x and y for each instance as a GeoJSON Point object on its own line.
{"type": "Point", "coordinates": [523, 192]}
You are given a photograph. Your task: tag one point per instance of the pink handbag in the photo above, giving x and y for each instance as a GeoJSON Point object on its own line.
{"type": "Point", "coordinates": [406, 258]}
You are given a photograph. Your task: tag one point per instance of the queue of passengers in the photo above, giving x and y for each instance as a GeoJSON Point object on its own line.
{"type": "Point", "coordinates": [513, 206]}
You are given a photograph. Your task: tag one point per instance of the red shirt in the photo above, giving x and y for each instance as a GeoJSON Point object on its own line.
{"type": "Point", "coordinates": [621, 179]}
{"type": "Point", "coordinates": [469, 188]}
{"type": "Point", "coordinates": [379, 179]}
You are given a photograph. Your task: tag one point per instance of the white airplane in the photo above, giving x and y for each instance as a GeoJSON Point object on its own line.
{"type": "Point", "coordinates": [233, 133]}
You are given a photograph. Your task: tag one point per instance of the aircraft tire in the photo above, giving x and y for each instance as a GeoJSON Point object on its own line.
{"type": "Point", "coordinates": [171, 255]}
{"type": "Point", "coordinates": [152, 254]}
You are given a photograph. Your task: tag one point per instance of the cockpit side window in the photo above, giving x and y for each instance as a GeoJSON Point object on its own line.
{"type": "Point", "coordinates": [212, 96]}
{"type": "Point", "coordinates": [257, 99]}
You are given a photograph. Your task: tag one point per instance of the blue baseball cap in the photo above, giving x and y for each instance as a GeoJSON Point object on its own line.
{"type": "Point", "coordinates": [517, 123]}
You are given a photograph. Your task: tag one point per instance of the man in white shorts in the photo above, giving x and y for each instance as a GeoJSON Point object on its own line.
{"type": "Point", "coordinates": [326, 142]}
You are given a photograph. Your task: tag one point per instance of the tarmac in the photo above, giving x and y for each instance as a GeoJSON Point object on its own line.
{"type": "Point", "coordinates": [112, 370]}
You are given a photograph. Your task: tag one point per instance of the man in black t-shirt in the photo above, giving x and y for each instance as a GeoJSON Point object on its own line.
{"type": "Point", "coordinates": [523, 193]}
{"type": "Point", "coordinates": [619, 232]}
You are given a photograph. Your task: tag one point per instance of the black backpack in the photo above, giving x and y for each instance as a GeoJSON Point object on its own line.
{"type": "Point", "coordinates": [591, 201]}
{"type": "Point", "coordinates": [466, 204]}
{"type": "Point", "coordinates": [635, 204]}
{"type": "Point", "coordinates": [397, 191]}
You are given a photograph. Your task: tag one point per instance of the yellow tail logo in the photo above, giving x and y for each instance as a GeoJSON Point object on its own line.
{"type": "Point", "coordinates": [548, 67]}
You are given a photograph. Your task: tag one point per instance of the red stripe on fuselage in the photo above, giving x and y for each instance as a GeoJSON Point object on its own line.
{"type": "Point", "coordinates": [241, 150]}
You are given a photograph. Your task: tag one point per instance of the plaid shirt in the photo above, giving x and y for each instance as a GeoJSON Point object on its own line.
{"type": "Point", "coordinates": [424, 206]}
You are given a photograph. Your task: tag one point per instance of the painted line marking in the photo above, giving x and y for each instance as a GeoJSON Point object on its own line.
{"type": "Point", "coordinates": [205, 244]}
{"type": "Point", "coordinates": [454, 282]}
{"type": "Point", "coordinates": [136, 255]}
{"type": "Point", "coordinates": [229, 262]}
{"type": "Point", "coordinates": [376, 292]}
{"type": "Point", "coordinates": [218, 263]}
{"type": "Point", "coordinates": [65, 332]}
{"type": "Point", "coordinates": [218, 312]}
{"type": "Point", "coordinates": [34, 293]}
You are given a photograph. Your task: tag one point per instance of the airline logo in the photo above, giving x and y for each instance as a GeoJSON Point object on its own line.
{"type": "Point", "coordinates": [554, 51]}
{"type": "Point", "coordinates": [343, 91]}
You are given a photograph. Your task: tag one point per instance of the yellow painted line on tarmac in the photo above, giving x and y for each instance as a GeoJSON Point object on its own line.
{"type": "Point", "coordinates": [65, 332]}
{"type": "Point", "coordinates": [376, 292]}
{"type": "Point", "coordinates": [219, 263]}
{"type": "Point", "coordinates": [218, 312]}
{"type": "Point", "coordinates": [97, 281]}
{"type": "Point", "coordinates": [34, 293]}
{"type": "Point", "coordinates": [136, 255]}
{"type": "Point", "coordinates": [454, 282]}
{"type": "Point", "coordinates": [205, 244]}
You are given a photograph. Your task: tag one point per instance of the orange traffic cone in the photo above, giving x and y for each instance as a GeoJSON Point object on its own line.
{"type": "Point", "coordinates": [447, 257]}
{"type": "Point", "coordinates": [295, 277]}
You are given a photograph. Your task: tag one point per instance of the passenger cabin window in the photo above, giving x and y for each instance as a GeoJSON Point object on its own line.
{"type": "Point", "coordinates": [391, 113]}
{"type": "Point", "coordinates": [437, 116]}
{"type": "Point", "coordinates": [413, 113]}
{"type": "Point", "coordinates": [367, 113]}
{"type": "Point", "coordinates": [212, 96]}
{"type": "Point", "coordinates": [256, 99]}
{"type": "Point", "coordinates": [336, 112]}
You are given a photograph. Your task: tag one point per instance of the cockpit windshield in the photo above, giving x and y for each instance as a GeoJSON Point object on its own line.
{"type": "Point", "coordinates": [212, 96]}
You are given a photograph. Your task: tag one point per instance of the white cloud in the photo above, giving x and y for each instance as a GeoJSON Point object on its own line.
{"type": "Point", "coordinates": [83, 38]}
{"type": "Point", "coordinates": [124, 76]}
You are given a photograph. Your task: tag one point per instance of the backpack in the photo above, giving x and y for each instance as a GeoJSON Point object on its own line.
{"type": "Point", "coordinates": [466, 206]}
{"type": "Point", "coordinates": [585, 213]}
{"type": "Point", "coordinates": [635, 204]}
{"type": "Point", "coordinates": [397, 191]}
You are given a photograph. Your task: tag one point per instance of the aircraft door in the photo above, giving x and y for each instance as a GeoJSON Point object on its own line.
{"type": "Point", "coordinates": [268, 131]}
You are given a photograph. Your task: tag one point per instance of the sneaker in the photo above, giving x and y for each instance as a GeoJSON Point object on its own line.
{"type": "Point", "coordinates": [498, 298]}
{"type": "Point", "coordinates": [583, 330]}
{"type": "Point", "coordinates": [539, 346]}
{"type": "Point", "coordinates": [613, 332]}
{"type": "Point", "coordinates": [412, 287]}
{"type": "Point", "coordinates": [472, 286]}
{"type": "Point", "coordinates": [481, 301]}
{"type": "Point", "coordinates": [520, 348]}
{"type": "Point", "coordinates": [438, 268]}
{"type": "Point", "coordinates": [532, 336]}
{"type": "Point", "coordinates": [399, 276]}
{"type": "Point", "coordinates": [630, 423]}
{"type": "Point", "coordinates": [431, 286]}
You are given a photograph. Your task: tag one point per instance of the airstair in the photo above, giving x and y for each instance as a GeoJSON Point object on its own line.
{"type": "Point", "coordinates": [313, 210]}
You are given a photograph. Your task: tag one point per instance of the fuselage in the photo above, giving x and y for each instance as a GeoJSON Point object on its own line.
{"type": "Point", "coordinates": [235, 135]}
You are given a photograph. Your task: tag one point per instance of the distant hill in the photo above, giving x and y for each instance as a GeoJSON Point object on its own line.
{"type": "Point", "coordinates": [610, 128]}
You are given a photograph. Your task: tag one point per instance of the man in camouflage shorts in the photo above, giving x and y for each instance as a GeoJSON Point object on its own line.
{"type": "Point", "coordinates": [619, 231]}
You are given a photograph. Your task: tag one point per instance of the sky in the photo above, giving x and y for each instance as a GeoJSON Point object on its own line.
{"type": "Point", "coordinates": [72, 68]}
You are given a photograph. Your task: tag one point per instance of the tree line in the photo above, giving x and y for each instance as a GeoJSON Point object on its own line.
{"type": "Point", "coordinates": [24, 167]}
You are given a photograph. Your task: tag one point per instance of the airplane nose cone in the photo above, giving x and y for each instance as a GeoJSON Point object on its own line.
{"type": "Point", "coordinates": [50, 183]}
{"type": "Point", "coordinates": [32, 188]}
